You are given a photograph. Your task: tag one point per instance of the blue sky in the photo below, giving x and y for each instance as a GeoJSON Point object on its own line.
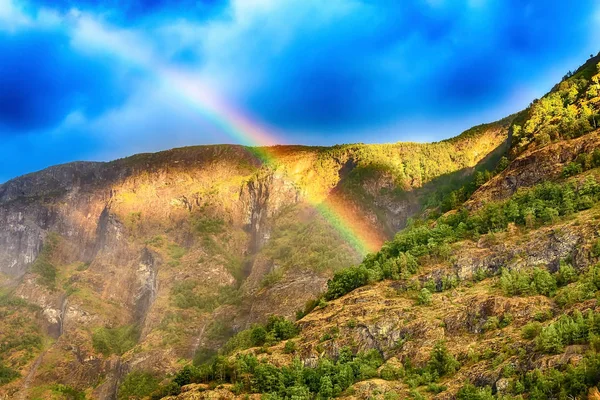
{"type": "Point", "coordinates": [85, 80]}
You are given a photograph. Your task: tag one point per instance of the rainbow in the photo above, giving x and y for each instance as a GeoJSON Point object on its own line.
{"type": "Point", "coordinates": [239, 126]}
{"type": "Point", "coordinates": [247, 131]}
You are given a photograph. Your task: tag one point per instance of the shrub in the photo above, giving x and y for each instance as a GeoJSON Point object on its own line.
{"type": "Point", "coordinates": [398, 258]}
{"type": "Point", "coordinates": [7, 374]}
{"type": "Point", "coordinates": [480, 274]}
{"type": "Point", "coordinates": [542, 316]}
{"type": "Point", "coordinates": [290, 347]}
{"type": "Point", "coordinates": [566, 274]}
{"type": "Point", "coordinates": [519, 283]}
{"type": "Point", "coordinates": [391, 395]}
{"type": "Point", "coordinates": [391, 373]}
{"type": "Point", "coordinates": [345, 281]}
{"type": "Point", "coordinates": [203, 356]}
{"type": "Point", "coordinates": [424, 297]}
{"type": "Point", "coordinates": [569, 382]}
{"type": "Point", "coordinates": [441, 361]}
{"type": "Point", "coordinates": [137, 385]}
{"type": "Point", "coordinates": [531, 330]}
{"type": "Point", "coordinates": [568, 330]}
{"type": "Point", "coordinates": [246, 374]}
{"type": "Point", "coordinates": [170, 389]}
{"type": "Point", "coordinates": [573, 294]}
{"type": "Point", "coordinates": [491, 324]}
{"type": "Point", "coordinates": [281, 328]}
{"type": "Point", "coordinates": [115, 340]}
{"type": "Point", "coordinates": [68, 392]}
{"type": "Point", "coordinates": [175, 251]}
{"type": "Point", "coordinates": [595, 250]}
{"type": "Point", "coordinates": [514, 283]}
{"type": "Point", "coordinates": [436, 388]}
{"type": "Point", "coordinates": [470, 392]}
{"type": "Point", "coordinates": [571, 169]}
{"type": "Point", "coordinates": [543, 282]}
{"type": "Point", "coordinates": [209, 225]}
{"type": "Point", "coordinates": [276, 330]}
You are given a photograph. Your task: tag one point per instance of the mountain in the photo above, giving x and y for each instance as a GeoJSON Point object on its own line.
{"type": "Point", "coordinates": [138, 263]}
{"type": "Point", "coordinates": [495, 298]}
{"type": "Point", "coordinates": [115, 276]}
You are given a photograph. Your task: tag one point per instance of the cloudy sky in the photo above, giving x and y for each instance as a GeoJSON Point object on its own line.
{"type": "Point", "coordinates": [102, 79]}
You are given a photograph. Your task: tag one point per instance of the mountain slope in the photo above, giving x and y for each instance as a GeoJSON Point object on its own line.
{"type": "Point", "coordinates": [496, 299]}
{"type": "Point", "coordinates": [142, 262]}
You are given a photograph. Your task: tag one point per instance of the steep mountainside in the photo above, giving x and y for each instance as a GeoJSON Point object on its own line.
{"type": "Point", "coordinates": [146, 262]}
{"type": "Point", "coordinates": [495, 298]}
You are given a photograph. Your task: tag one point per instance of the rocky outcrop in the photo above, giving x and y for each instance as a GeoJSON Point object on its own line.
{"type": "Point", "coordinates": [534, 166]}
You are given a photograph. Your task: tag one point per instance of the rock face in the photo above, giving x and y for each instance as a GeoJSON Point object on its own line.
{"type": "Point", "coordinates": [534, 166]}
{"type": "Point", "coordinates": [193, 244]}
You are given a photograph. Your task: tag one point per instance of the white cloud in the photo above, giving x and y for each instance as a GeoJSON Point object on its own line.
{"type": "Point", "coordinates": [92, 35]}
{"type": "Point", "coordinates": [12, 17]}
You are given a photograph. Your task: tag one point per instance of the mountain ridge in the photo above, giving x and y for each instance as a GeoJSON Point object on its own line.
{"type": "Point", "coordinates": [212, 233]}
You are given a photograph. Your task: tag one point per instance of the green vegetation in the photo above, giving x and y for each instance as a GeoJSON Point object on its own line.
{"type": "Point", "coordinates": [565, 382]}
{"type": "Point", "coordinates": [408, 164]}
{"type": "Point", "coordinates": [7, 374]}
{"type": "Point", "coordinates": [275, 330]}
{"type": "Point", "coordinates": [117, 340]}
{"type": "Point", "coordinates": [470, 392]}
{"type": "Point", "coordinates": [184, 295]}
{"type": "Point", "coordinates": [442, 363]}
{"type": "Point", "coordinates": [175, 252]}
{"type": "Point", "coordinates": [20, 335]}
{"type": "Point", "coordinates": [424, 297]}
{"type": "Point", "coordinates": [583, 162]}
{"type": "Point", "coordinates": [290, 347]}
{"type": "Point", "coordinates": [214, 234]}
{"type": "Point", "coordinates": [249, 375]}
{"type": "Point", "coordinates": [68, 392]}
{"type": "Point", "coordinates": [330, 378]}
{"type": "Point", "coordinates": [43, 266]}
{"type": "Point", "coordinates": [305, 243]}
{"type": "Point", "coordinates": [399, 258]}
{"type": "Point", "coordinates": [570, 110]}
{"type": "Point", "coordinates": [527, 282]}
{"type": "Point", "coordinates": [567, 316]}
{"type": "Point", "coordinates": [576, 329]}
{"type": "Point", "coordinates": [137, 386]}
{"type": "Point", "coordinates": [453, 194]}
{"type": "Point", "coordinates": [205, 225]}
{"type": "Point", "coordinates": [584, 287]}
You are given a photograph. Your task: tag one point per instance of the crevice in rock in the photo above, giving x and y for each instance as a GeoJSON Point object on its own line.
{"type": "Point", "coordinates": [147, 276]}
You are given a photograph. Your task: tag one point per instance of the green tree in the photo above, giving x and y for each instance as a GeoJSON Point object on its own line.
{"type": "Point", "coordinates": [325, 388]}
{"type": "Point", "coordinates": [441, 361]}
